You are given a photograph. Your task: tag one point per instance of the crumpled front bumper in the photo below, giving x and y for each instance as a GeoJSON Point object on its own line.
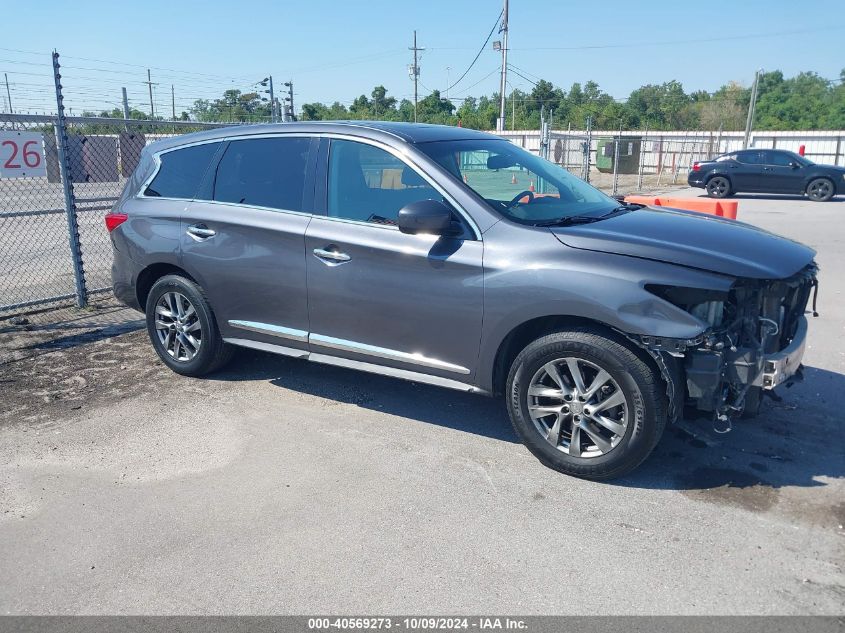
{"type": "Point", "coordinates": [780, 366]}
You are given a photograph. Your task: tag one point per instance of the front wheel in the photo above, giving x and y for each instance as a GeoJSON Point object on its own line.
{"type": "Point", "coordinates": [820, 190]}
{"type": "Point", "coordinates": [718, 187]}
{"type": "Point", "coordinates": [585, 404]}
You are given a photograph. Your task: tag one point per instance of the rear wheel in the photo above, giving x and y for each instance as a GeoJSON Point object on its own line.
{"type": "Point", "coordinates": [820, 190]}
{"type": "Point", "coordinates": [718, 187]}
{"type": "Point", "coordinates": [182, 327]}
{"type": "Point", "coordinates": [585, 404]}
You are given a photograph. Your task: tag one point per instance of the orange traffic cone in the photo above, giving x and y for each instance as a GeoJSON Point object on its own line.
{"type": "Point", "coordinates": [531, 186]}
{"type": "Point", "coordinates": [513, 179]}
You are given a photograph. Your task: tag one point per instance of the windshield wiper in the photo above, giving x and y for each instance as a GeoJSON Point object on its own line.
{"type": "Point", "coordinates": [570, 220]}
{"type": "Point", "coordinates": [627, 206]}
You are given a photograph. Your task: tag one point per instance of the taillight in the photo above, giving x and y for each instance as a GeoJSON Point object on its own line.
{"type": "Point", "coordinates": [114, 220]}
{"type": "Point", "coordinates": [696, 166]}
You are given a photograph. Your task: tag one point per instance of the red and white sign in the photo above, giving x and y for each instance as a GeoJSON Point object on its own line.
{"type": "Point", "coordinates": [22, 155]}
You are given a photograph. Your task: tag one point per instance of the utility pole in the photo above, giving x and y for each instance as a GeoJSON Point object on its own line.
{"type": "Point", "coordinates": [500, 125]}
{"type": "Point", "coordinates": [8, 93]}
{"type": "Point", "coordinates": [288, 113]}
{"type": "Point", "coordinates": [125, 109]}
{"type": "Point", "coordinates": [414, 71]}
{"type": "Point", "coordinates": [749, 122]}
{"type": "Point", "coordinates": [448, 82]}
{"type": "Point", "coordinates": [150, 84]}
{"type": "Point", "coordinates": [268, 82]}
{"type": "Point", "coordinates": [173, 102]}
{"type": "Point", "coordinates": [272, 99]}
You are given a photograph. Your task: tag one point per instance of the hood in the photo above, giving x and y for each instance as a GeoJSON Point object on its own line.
{"type": "Point", "coordinates": [691, 239]}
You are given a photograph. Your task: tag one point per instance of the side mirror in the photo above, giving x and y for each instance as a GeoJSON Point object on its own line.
{"type": "Point", "coordinates": [425, 216]}
{"type": "Point", "coordinates": [793, 164]}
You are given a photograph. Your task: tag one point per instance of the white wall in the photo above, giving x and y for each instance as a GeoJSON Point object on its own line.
{"type": "Point", "coordinates": [685, 147]}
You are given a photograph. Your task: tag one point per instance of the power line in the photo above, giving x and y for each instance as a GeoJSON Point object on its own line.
{"type": "Point", "coordinates": [481, 50]}
{"type": "Point", "coordinates": [641, 43]}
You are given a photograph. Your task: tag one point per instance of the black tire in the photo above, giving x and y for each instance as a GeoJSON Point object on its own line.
{"type": "Point", "coordinates": [718, 187]}
{"type": "Point", "coordinates": [820, 189]}
{"type": "Point", "coordinates": [212, 353]}
{"type": "Point", "coordinates": [753, 400]}
{"type": "Point", "coordinates": [642, 387]}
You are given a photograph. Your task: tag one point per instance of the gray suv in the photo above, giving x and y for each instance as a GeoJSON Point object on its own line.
{"type": "Point", "coordinates": [455, 258]}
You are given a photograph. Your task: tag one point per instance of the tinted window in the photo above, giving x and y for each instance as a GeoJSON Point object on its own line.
{"type": "Point", "coordinates": [181, 171]}
{"type": "Point", "coordinates": [726, 157]}
{"type": "Point", "coordinates": [748, 158]}
{"type": "Point", "coordinates": [777, 158]}
{"type": "Point", "coordinates": [264, 172]}
{"type": "Point", "coordinates": [369, 184]}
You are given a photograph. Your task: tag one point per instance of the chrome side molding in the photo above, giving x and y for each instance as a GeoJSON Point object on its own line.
{"type": "Point", "coordinates": [271, 330]}
{"type": "Point", "coordinates": [327, 359]}
{"type": "Point", "coordinates": [346, 346]}
{"type": "Point", "coordinates": [383, 352]}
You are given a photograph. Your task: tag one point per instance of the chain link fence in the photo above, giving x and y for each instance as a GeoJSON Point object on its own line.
{"type": "Point", "coordinates": [58, 178]}
{"type": "Point", "coordinates": [54, 192]}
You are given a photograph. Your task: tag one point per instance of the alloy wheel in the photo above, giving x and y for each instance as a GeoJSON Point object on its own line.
{"type": "Point", "coordinates": [578, 407]}
{"type": "Point", "coordinates": [819, 190]}
{"type": "Point", "coordinates": [718, 187]}
{"type": "Point", "coordinates": [178, 327]}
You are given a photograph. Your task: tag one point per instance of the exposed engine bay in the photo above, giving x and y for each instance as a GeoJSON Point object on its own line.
{"type": "Point", "coordinates": [754, 342]}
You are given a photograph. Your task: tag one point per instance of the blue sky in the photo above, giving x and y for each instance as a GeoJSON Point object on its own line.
{"type": "Point", "coordinates": [336, 50]}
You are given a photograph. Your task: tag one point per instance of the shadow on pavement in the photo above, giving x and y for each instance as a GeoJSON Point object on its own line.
{"type": "Point", "coordinates": [792, 443]}
{"type": "Point", "coordinates": [444, 407]}
{"type": "Point", "coordinates": [38, 331]}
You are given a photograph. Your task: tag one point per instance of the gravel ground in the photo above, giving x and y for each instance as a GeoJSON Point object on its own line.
{"type": "Point", "coordinates": [281, 486]}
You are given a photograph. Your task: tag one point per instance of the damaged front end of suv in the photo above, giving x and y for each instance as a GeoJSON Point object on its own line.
{"type": "Point", "coordinates": [754, 341]}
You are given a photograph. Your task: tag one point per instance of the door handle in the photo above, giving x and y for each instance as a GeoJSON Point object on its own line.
{"type": "Point", "coordinates": [332, 258]}
{"type": "Point", "coordinates": [200, 232]}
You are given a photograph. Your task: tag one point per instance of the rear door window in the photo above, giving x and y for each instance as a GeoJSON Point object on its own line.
{"type": "Point", "coordinates": [263, 172]}
{"type": "Point", "coordinates": [748, 158]}
{"type": "Point", "coordinates": [181, 171]}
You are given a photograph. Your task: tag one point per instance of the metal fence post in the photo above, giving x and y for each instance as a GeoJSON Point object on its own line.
{"type": "Point", "coordinates": [641, 161]}
{"type": "Point", "coordinates": [67, 186]}
{"type": "Point", "coordinates": [588, 146]}
{"type": "Point", "coordinates": [616, 142]}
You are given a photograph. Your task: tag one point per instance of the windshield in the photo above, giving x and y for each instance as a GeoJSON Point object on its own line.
{"type": "Point", "coordinates": [516, 183]}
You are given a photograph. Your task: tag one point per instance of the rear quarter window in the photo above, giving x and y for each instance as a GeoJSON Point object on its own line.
{"type": "Point", "coordinates": [181, 171]}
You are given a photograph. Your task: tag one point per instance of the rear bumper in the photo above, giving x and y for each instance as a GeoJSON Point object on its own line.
{"type": "Point", "coordinates": [695, 179]}
{"type": "Point", "coordinates": [780, 366]}
{"type": "Point", "coordinates": [124, 276]}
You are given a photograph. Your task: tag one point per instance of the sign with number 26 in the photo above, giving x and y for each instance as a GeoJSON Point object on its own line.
{"type": "Point", "coordinates": [21, 155]}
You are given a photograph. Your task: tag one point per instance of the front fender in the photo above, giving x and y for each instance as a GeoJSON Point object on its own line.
{"type": "Point", "coordinates": [555, 280]}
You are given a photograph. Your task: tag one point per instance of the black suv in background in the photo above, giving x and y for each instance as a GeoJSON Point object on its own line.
{"type": "Point", "coordinates": [767, 171]}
